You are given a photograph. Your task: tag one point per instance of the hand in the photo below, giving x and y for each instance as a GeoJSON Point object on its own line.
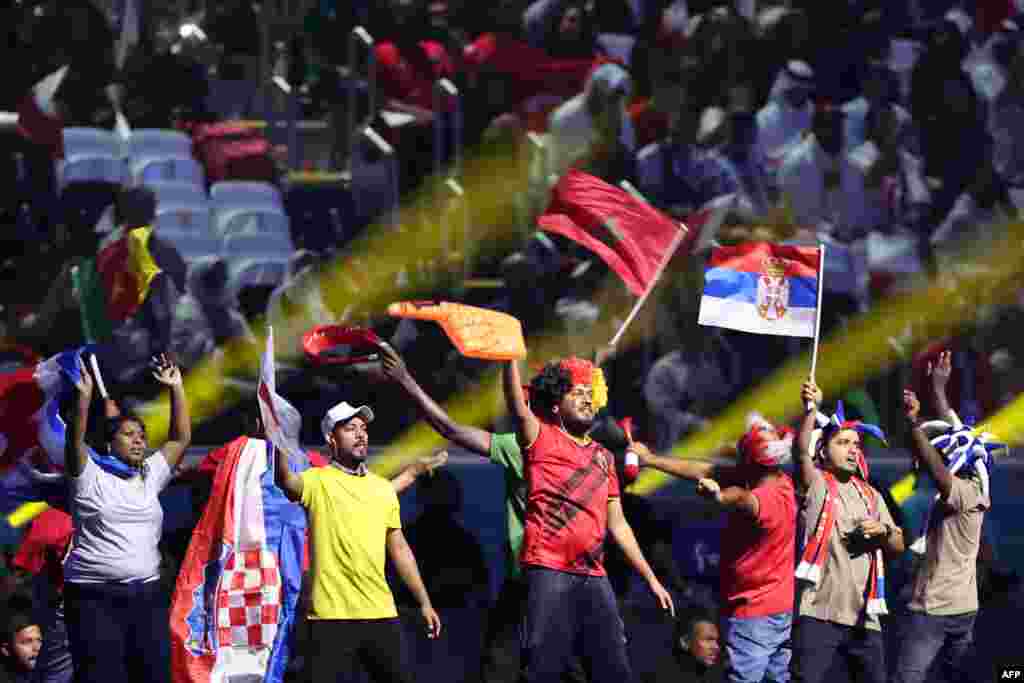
{"type": "Point", "coordinates": [391, 363]}
{"type": "Point", "coordinates": [709, 488]}
{"type": "Point", "coordinates": [110, 408]}
{"type": "Point", "coordinates": [643, 453]}
{"type": "Point", "coordinates": [911, 405]}
{"type": "Point", "coordinates": [166, 372]}
{"type": "Point", "coordinates": [811, 395]}
{"type": "Point", "coordinates": [941, 370]}
{"type": "Point", "coordinates": [432, 620]}
{"type": "Point", "coordinates": [429, 463]}
{"type": "Point", "coordinates": [663, 596]}
{"type": "Point", "coordinates": [870, 528]}
{"type": "Point", "coordinates": [84, 384]}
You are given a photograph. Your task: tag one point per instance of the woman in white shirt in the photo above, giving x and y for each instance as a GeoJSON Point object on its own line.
{"type": "Point", "coordinates": [117, 618]}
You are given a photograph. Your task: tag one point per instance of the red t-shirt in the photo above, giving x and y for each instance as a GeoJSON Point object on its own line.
{"type": "Point", "coordinates": [45, 545]}
{"type": "Point", "coordinates": [401, 80]}
{"type": "Point", "coordinates": [757, 562]}
{"type": "Point", "coordinates": [569, 486]}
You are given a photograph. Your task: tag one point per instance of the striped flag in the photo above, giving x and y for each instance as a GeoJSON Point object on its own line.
{"type": "Point", "coordinates": [113, 285]}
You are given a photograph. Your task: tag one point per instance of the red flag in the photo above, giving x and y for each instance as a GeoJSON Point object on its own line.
{"type": "Point", "coordinates": [38, 119]}
{"type": "Point", "coordinates": [630, 235]}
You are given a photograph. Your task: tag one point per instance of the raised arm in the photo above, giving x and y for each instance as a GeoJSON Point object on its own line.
{"type": "Point", "coordinates": [940, 372]}
{"type": "Point", "coordinates": [620, 530]}
{"type": "Point", "coordinates": [471, 438]}
{"type": "Point", "coordinates": [805, 472]}
{"type": "Point", "coordinates": [286, 480]}
{"type": "Point", "coordinates": [75, 453]}
{"type": "Point", "coordinates": [922, 448]}
{"type": "Point", "coordinates": [404, 561]}
{"type": "Point", "coordinates": [180, 435]}
{"type": "Point", "coordinates": [527, 424]}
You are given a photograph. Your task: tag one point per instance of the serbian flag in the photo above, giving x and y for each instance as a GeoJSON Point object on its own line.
{"type": "Point", "coordinates": [38, 119]}
{"type": "Point", "coordinates": [32, 432]}
{"type": "Point", "coordinates": [113, 285]}
{"type": "Point", "coordinates": [762, 288]}
{"type": "Point", "coordinates": [234, 605]}
{"type": "Point", "coordinates": [629, 234]}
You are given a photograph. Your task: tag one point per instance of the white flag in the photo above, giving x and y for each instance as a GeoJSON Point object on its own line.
{"type": "Point", "coordinates": [281, 421]}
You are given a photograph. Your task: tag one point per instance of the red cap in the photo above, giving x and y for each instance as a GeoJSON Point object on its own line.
{"type": "Point", "coordinates": [340, 345]}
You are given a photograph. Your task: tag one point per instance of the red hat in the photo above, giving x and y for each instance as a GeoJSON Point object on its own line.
{"type": "Point", "coordinates": [340, 345]}
{"type": "Point", "coordinates": [755, 447]}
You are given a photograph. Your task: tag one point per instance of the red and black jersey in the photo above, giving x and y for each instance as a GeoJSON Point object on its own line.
{"type": "Point", "coordinates": [569, 486]}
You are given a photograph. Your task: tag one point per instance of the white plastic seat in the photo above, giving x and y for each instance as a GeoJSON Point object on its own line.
{"type": "Point", "coordinates": [236, 193]}
{"type": "Point", "coordinates": [167, 168]}
{"type": "Point", "coordinates": [154, 142]}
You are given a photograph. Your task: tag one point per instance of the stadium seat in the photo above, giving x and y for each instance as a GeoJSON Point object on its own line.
{"type": "Point", "coordinates": [254, 221]}
{"type": "Point", "coordinates": [181, 218]}
{"type": "Point", "coordinates": [91, 167]}
{"type": "Point", "coordinates": [238, 193]}
{"type": "Point", "coordinates": [156, 142]}
{"type": "Point", "coordinates": [321, 215]}
{"type": "Point", "coordinates": [167, 168]}
{"type": "Point", "coordinates": [83, 203]}
{"type": "Point", "coordinates": [178, 192]}
{"type": "Point", "coordinates": [247, 245]}
{"type": "Point", "coordinates": [258, 272]}
{"type": "Point", "coordinates": [91, 142]}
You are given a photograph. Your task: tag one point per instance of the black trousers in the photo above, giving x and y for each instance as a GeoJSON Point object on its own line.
{"type": "Point", "coordinates": [338, 648]}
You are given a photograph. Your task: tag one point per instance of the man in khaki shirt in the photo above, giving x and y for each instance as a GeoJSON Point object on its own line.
{"type": "Point", "coordinates": [838, 607]}
{"type": "Point", "coordinates": [944, 602]}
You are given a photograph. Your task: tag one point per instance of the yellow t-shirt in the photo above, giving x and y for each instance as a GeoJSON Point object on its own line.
{"type": "Point", "coordinates": [349, 517]}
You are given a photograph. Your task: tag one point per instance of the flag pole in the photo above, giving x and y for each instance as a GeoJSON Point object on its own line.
{"type": "Point", "coordinates": [817, 317]}
{"type": "Point", "coordinates": [99, 378]}
{"type": "Point", "coordinates": [676, 241]}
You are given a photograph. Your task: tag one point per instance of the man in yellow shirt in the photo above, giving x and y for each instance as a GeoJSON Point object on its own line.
{"type": "Point", "coordinates": [354, 521]}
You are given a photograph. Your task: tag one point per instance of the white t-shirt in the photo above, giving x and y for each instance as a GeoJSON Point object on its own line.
{"type": "Point", "coordinates": [117, 524]}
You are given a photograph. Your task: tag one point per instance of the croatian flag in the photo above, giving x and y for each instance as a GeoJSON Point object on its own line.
{"type": "Point", "coordinates": [762, 288]}
{"type": "Point", "coordinates": [235, 602]}
{"type": "Point", "coordinates": [32, 431]}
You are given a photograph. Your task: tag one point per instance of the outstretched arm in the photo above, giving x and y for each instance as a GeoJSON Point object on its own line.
{"type": "Point", "coordinates": [180, 436]}
{"type": "Point", "coordinates": [732, 497]}
{"type": "Point", "coordinates": [620, 530]}
{"type": "Point", "coordinates": [471, 438]}
{"type": "Point", "coordinates": [401, 556]}
{"type": "Point", "coordinates": [805, 472]}
{"type": "Point", "coordinates": [413, 471]}
{"type": "Point", "coordinates": [75, 452]}
{"type": "Point", "coordinates": [923, 449]}
{"type": "Point", "coordinates": [528, 426]}
{"type": "Point", "coordinates": [695, 470]}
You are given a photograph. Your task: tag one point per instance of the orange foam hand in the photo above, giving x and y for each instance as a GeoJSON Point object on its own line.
{"type": "Point", "coordinates": [475, 332]}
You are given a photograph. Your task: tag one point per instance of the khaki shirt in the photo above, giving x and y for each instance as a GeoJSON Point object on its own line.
{"type": "Point", "coordinates": [947, 580]}
{"type": "Point", "coordinates": [840, 594]}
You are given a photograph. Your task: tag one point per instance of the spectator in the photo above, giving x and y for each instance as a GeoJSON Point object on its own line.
{"type": "Point", "coordinates": [593, 124]}
{"type": "Point", "coordinates": [977, 215]}
{"type": "Point", "coordinates": [22, 639]}
{"type": "Point", "coordinates": [758, 546]}
{"type": "Point", "coordinates": [562, 28]}
{"type": "Point", "coordinates": [678, 175]}
{"type": "Point", "coordinates": [235, 27]}
{"type": "Point", "coordinates": [696, 652]}
{"type": "Point", "coordinates": [117, 619]}
{"type": "Point", "coordinates": [724, 45]}
{"type": "Point", "coordinates": [846, 526]}
{"type": "Point", "coordinates": [41, 553]}
{"type": "Point", "coordinates": [686, 387]}
{"type": "Point", "coordinates": [1007, 119]}
{"type": "Point", "coordinates": [664, 72]}
{"type": "Point", "coordinates": [782, 122]}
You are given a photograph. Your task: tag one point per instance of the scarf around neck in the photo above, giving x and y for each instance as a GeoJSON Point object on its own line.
{"type": "Point", "coordinates": [815, 553]}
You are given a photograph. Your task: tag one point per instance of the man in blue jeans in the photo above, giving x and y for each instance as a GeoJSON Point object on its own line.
{"type": "Point", "coordinates": [758, 546]}
{"type": "Point", "coordinates": [944, 602]}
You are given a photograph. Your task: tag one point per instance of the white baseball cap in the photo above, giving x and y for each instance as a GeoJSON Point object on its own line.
{"type": "Point", "coordinates": [343, 412]}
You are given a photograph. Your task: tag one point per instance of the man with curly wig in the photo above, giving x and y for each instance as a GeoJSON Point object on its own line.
{"type": "Point", "coordinates": [572, 504]}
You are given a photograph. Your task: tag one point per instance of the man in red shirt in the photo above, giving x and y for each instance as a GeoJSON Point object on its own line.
{"type": "Point", "coordinates": [758, 547]}
{"type": "Point", "coordinates": [572, 504]}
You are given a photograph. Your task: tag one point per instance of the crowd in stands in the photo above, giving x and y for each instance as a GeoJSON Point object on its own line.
{"type": "Point", "coordinates": [885, 129]}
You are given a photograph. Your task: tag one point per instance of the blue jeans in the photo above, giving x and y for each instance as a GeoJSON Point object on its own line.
{"type": "Point", "coordinates": [924, 636]}
{"type": "Point", "coordinates": [565, 611]}
{"type": "Point", "coordinates": [759, 648]}
{"type": "Point", "coordinates": [816, 643]}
